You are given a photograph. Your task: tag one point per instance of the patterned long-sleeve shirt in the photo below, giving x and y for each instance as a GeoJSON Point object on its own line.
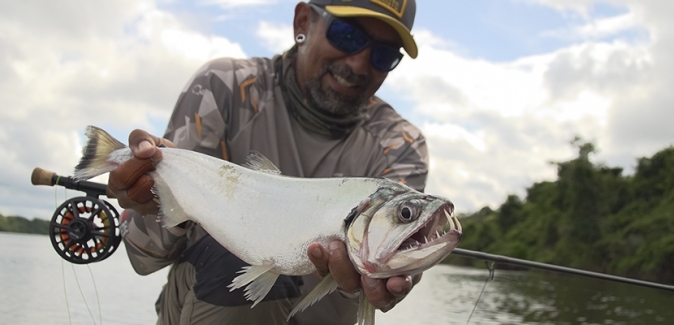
{"type": "Point", "coordinates": [232, 107]}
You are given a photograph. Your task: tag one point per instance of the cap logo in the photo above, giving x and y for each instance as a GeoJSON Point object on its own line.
{"type": "Point", "coordinates": [397, 7]}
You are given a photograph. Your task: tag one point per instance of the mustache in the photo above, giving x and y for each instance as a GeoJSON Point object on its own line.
{"type": "Point", "coordinates": [345, 73]}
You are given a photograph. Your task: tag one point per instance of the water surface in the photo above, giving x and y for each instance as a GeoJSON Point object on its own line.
{"type": "Point", "coordinates": [38, 287]}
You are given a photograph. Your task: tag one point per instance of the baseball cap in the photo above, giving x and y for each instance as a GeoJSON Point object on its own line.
{"type": "Point", "coordinates": [399, 14]}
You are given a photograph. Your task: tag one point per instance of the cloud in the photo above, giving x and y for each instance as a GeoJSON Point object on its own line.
{"type": "Point", "coordinates": [66, 65]}
{"type": "Point", "coordinates": [493, 128]}
{"type": "Point", "coordinates": [597, 29]}
{"type": "Point", "coordinates": [277, 38]}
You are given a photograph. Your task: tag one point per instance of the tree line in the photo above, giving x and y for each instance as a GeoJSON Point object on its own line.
{"type": "Point", "coordinates": [592, 217]}
{"type": "Point", "coordinates": [23, 225]}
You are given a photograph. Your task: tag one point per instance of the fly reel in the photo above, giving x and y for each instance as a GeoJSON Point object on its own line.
{"type": "Point", "coordinates": [85, 230]}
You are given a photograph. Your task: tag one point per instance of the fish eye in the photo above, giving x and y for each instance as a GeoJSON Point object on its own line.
{"type": "Point", "coordinates": [407, 213]}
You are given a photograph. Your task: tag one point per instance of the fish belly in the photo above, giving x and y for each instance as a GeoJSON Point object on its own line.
{"type": "Point", "coordinates": [260, 217]}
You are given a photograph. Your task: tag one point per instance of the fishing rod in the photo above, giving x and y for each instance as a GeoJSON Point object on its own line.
{"type": "Point", "coordinates": [83, 229]}
{"type": "Point", "coordinates": [555, 268]}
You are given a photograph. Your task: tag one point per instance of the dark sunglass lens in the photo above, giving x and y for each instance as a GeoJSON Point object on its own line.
{"type": "Point", "coordinates": [385, 57]}
{"type": "Point", "coordinates": [346, 37]}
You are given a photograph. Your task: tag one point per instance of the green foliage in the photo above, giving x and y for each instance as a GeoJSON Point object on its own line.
{"type": "Point", "coordinates": [592, 217]}
{"type": "Point", "coordinates": [23, 225]}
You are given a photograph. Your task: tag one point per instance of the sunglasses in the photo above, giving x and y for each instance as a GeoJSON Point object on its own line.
{"type": "Point", "coordinates": [350, 39]}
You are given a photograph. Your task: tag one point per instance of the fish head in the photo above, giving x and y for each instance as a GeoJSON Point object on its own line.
{"type": "Point", "coordinates": [403, 235]}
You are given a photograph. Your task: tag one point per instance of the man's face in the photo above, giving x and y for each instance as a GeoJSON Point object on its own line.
{"type": "Point", "coordinates": [335, 81]}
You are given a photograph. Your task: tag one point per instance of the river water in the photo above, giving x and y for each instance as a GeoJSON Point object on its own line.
{"type": "Point", "coordinates": [38, 287]}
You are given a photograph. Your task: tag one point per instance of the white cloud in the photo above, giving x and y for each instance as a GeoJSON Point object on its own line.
{"type": "Point", "coordinates": [65, 66]}
{"type": "Point", "coordinates": [597, 29]}
{"type": "Point", "coordinates": [277, 38]}
{"type": "Point", "coordinates": [492, 128]}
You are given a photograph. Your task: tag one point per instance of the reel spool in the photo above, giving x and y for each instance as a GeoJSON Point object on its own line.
{"type": "Point", "coordinates": [85, 229]}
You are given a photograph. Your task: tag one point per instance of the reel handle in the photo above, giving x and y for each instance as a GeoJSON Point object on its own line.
{"type": "Point", "coordinates": [48, 178]}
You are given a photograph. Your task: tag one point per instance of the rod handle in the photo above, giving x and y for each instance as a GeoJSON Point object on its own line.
{"type": "Point", "coordinates": [42, 177]}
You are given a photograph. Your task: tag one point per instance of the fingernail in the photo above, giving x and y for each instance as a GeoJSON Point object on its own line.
{"type": "Point", "coordinates": [397, 289]}
{"type": "Point", "coordinates": [317, 253]}
{"type": "Point", "coordinates": [334, 246]}
{"type": "Point", "coordinates": [144, 145]}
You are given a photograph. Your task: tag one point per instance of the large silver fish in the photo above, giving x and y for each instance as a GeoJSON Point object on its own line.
{"type": "Point", "coordinates": [268, 220]}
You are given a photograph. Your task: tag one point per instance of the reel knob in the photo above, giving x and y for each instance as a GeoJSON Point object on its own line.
{"type": "Point", "coordinates": [85, 230]}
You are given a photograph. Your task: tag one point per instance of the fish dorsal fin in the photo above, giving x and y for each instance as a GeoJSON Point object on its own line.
{"type": "Point", "coordinates": [257, 161]}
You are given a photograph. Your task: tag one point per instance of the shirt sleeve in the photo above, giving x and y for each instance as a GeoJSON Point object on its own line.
{"type": "Point", "coordinates": [150, 246]}
{"type": "Point", "coordinates": [197, 123]}
{"type": "Point", "coordinates": [404, 148]}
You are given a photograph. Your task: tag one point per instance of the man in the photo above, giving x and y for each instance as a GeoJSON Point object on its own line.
{"type": "Point", "coordinates": [313, 113]}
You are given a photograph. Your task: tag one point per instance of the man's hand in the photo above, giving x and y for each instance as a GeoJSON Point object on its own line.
{"type": "Point", "coordinates": [129, 182]}
{"type": "Point", "coordinates": [384, 294]}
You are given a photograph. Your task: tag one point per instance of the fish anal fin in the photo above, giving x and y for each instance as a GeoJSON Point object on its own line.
{"type": "Point", "coordinates": [326, 286]}
{"type": "Point", "coordinates": [257, 161]}
{"type": "Point", "coordinates": [259, 280]}
{"type": "Point", "coordinates": [366, 311]}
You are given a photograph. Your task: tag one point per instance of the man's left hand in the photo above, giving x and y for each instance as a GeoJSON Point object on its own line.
{"type": "Point", "coordinates": [384, 294]}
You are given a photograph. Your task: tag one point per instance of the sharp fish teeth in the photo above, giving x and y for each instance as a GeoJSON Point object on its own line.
{"type": "Point", "coordinates": [459, 224]}
{"type": "Point", "coordinates": [449, 218]}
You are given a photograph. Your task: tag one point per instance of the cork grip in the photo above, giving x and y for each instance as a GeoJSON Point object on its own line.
{"type": "Point", "coordinates": [42, 177]}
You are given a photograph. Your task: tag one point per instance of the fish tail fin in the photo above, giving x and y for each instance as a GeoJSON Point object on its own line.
{"type": "Point", "coordinates": [96, 153]}
{"type": "Point", "coordinates": [325, 287]}
{"type": "Point", "coordinates": [259, 280]}
{"type": "Point", "coordinates": [366, 311]}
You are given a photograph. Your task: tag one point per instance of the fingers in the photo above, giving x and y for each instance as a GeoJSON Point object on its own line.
{"type": "Point", "coordinates": [129, 182]}
{"type": "Point", "coordinates": [342, 269]}
{"type": "Point", "coordinates": [128, 173]}
{"type": "Point", "coordinates": [335, 260]}
{"type": "Point", "coordinates": [141, 191]}
{"type": "Point", "coordinates": [384, 294]}
{"type": "Point", "coordinates": [144, 145]}
{"type": "Point", "coordinates": [319, 256]}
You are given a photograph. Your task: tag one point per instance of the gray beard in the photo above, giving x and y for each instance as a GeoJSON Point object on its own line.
{"type": "Point", "coordinates": [330, 101]}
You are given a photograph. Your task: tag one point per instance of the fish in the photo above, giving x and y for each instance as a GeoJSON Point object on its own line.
{"type": "Point", "coordinates": [269, 220]}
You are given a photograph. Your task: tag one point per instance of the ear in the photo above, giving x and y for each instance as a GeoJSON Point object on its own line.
{"type": "Point", "coordinates": [302, 18]}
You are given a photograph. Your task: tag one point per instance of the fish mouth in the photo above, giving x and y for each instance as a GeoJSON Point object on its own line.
{"type": "Point", "coordinates": [441, 228]}
{"type": "Point", "coordinates": [426, 245]}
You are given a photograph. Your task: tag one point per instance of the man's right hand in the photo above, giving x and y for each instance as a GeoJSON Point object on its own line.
{"type": "Point", "coordinates": [129, 182]}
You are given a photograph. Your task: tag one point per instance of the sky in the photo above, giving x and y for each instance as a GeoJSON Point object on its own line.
{"type": "Point", "coordinates": [500, 87]}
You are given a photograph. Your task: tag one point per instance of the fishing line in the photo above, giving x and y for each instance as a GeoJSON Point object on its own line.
{"type": "Point", "coordinates": [63, 270]}
{"type": "Point", "coordinates": [65, 292]}
{"type": "Point", "coordinates": [98, 300]}
{"type": "Point", "coordinates": [491, 277]}
{"type": "Point", "coordinates": [82, 294]}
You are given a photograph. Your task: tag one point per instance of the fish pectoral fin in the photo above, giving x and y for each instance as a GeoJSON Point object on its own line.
{"type": "Point", "coordinates": [259, 280]}
{"type": "Point", "coordinates": [325, 287]}
{"type": "Point", "coordinates": [365, 311]}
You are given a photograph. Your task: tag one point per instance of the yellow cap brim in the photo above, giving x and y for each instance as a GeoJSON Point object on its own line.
{"type": "Point", "coordinates": [409, 44]}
